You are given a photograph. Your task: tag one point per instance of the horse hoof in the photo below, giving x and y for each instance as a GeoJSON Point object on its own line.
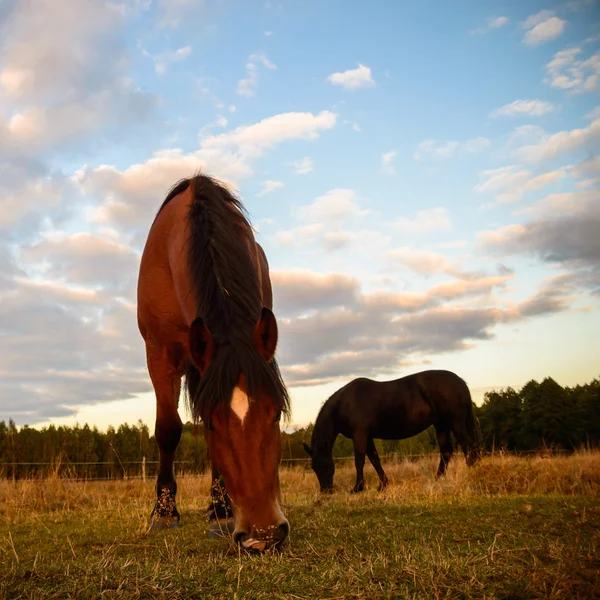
{"type": "Point", "coordinates": [221, 528]}
{"type": "Point", "coordinates": [357, 490]}
{"type": "Point", "coordinates": [161, 523]}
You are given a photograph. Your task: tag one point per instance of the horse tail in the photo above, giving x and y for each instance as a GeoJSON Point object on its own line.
{"type": "Point", "coordinates": [473, 427]}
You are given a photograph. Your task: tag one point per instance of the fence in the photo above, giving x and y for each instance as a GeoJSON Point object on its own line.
{"type": "Point", "coordinates": [107, 471]}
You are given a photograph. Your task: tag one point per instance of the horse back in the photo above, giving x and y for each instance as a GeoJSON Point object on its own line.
{"type": "Point", "coordinates": [444, 390]}
{"type": "Point", "coordinates": [381, 409]}
{"type": "Point", "coordinates": [399, 408]}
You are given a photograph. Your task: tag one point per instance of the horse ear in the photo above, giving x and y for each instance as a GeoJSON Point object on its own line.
{"type": "Point", "coordinates": [265, 334]}
{"type": "Point", "coordinates": [202, 345]}
{"type": "Point", "coordinates": [307, 449]}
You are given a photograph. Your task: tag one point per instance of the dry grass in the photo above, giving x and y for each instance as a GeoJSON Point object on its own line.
{"type": "Point", "coordinates": [508, 528]}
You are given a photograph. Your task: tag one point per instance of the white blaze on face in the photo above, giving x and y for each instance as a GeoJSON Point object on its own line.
{"type": "Point", "coordinates": [240, 403]}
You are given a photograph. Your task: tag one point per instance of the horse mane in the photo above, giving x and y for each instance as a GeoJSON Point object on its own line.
{"type": "Point", "coordinates": [227, 292]}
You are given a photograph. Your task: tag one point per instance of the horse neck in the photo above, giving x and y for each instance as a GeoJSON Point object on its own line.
{"type": "Point", "coordinates": [325, 432]}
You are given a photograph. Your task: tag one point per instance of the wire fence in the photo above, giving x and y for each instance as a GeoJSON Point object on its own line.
{"type": "Point", "coordinates": [148, 469]}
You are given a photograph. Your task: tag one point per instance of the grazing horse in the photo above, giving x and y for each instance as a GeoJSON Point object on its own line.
{"type": "Point", "coordinates": [365, 409]}
{"type": "Point", "coordinates": [204, 311]}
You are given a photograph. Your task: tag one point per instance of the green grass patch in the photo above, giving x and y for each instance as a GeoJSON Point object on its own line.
{"type": "Point", "coordinates": [448, 539]}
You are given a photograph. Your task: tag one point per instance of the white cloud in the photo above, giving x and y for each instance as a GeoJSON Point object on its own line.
{"type": "Point", "coordinates": [28, 195]}
{"type": "Point", "coordinates": [510, 183]}
{"type": "Point", "coordinates": [164, 59]}
{"type": "Point", "coordinates": [364, 240]}
{"type": "Point", "coordinates": [353, 79]}
{"type": "Point", "coordinates": [387, 159]}
{"type": "Point", "coordinates": [299, 236]}
{"type": "Point", "coordinates": [498, 22]}
{"type": "Point", "coordinates": [542, 27]}
{"type": "Point", "coordinates": [63, 75]}
{"type": "Point", "coordinates": [590, 167]}
{"type": "Point", "coordinates": [593, 114]}
{"type": "Point", "coordinates": [566, 71]}
{"type": "Point", "coordinates": [336, 205]}
{"type": "Point", "coordinates": [492, 23]}
{"type": "Point", "coordinates": [339, 332]}
{"type": "Point", "coordinates": [247, 86]}
{"type": "Point", "coordinates": [301, 291]}
{"type": "Point", "coordinates": [173, 12]}
{"type": "Point", "coordinates": [553, 146]}
{"type": "Point", "coordinates": [423, 261]}
{"type": "Point", "coordinates": [302, 166]}
{"type": "Point", "coordinates": [129, 198]}
{"type": "Point", "coordinates": [53, 50]}
{"type": "Point", "coordinates": [84, 259]}
{"type": "Point", "coordinates": [253, 140]}
{"type": "Point", "coordinates": [84, 342]}
{"type": "Point", "coordinates": [269, 186]}
{"type": "Point", "coordinates": [534, 108]}
{"type": "Point", "coordinates": [36, 129]}
{"type": "Point", "coordinates": [434, 149]}
{"type": "Point", "coordinates": [564, 231]}
{"type": "Point", "coordinates": [433, 219]}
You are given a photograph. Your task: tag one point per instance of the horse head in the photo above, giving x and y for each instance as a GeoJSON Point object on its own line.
{"type": "Point", "coordinates": [243, 434]}
{"type": "Point", "coordinates": [322, 464]}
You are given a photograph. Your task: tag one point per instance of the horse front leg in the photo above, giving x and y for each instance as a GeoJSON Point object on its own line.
{"type": "Point", "coordinates": [360, 448]}
{"type": "Point", "coordinates": [219, 512]}
{"type": "Point", "coordinates": [374, 458]}
{"type": "Point", "coordinates": [167, 385]}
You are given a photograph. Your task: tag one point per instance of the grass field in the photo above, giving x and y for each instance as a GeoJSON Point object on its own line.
{"type": "Point", "coordinates": [508, 528]}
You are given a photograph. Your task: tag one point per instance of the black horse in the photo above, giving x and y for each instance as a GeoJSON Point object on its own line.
{"type": "Point", "coordinates": [365, 409]}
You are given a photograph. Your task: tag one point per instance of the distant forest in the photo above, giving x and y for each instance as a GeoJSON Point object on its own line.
{"type": "Point", "coordinates": [539, 415]}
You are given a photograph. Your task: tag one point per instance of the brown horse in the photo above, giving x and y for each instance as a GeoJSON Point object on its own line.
{"type": "Point", "coordinates": [364, 410]}
{"type": "Point", "coordinates": [204, 311]}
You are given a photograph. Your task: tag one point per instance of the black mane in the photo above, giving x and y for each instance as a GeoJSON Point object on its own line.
{"type": "Point", "coordinates": [226, 287]}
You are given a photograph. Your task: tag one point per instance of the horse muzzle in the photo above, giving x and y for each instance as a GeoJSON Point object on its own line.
{"type": "Point", "coordinates": [262, 538]}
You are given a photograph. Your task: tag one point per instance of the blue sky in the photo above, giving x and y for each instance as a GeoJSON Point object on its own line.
{"type": "Point", "coordinates": [425, 181]}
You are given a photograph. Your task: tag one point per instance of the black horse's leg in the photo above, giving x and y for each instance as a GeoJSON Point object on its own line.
{"type": "Point", "coordinates": [446, 449]}
{"type": "Point", "coordinates": [167, 385]}
{"type": "Point", "coordinates": [360, 447]}
{"type": "Point", "coordinates": [374, 458]}
{"type": "Point", "coordinates": [467, 444]}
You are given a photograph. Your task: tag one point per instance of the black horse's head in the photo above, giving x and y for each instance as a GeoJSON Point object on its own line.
{"type": "Point", "coordinates": [322, 464]}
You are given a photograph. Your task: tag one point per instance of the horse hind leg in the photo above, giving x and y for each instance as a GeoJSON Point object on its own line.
{"type": "Point", "coordinates": [374, 458]}
{"type": "Point", "coordinates": [466, 434]}
{"type": "Point", "coordinates": [167, 385]}
{"type": "Point", "coordinates": [446, 449]}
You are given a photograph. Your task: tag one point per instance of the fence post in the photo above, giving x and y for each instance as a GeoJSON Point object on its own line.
{"type": "Point", "coordinates": [143, 468]}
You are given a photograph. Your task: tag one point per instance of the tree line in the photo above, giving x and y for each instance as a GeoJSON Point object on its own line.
{"type": "Point", "coordinates": [539, 415]}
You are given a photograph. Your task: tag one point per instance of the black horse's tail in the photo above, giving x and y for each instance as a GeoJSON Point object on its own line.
{"type": "Point", "coordinates": [474, 431]}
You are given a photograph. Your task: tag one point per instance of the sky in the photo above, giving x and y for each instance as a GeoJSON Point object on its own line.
{"type": "Point", "coordinates": [424, 180]}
